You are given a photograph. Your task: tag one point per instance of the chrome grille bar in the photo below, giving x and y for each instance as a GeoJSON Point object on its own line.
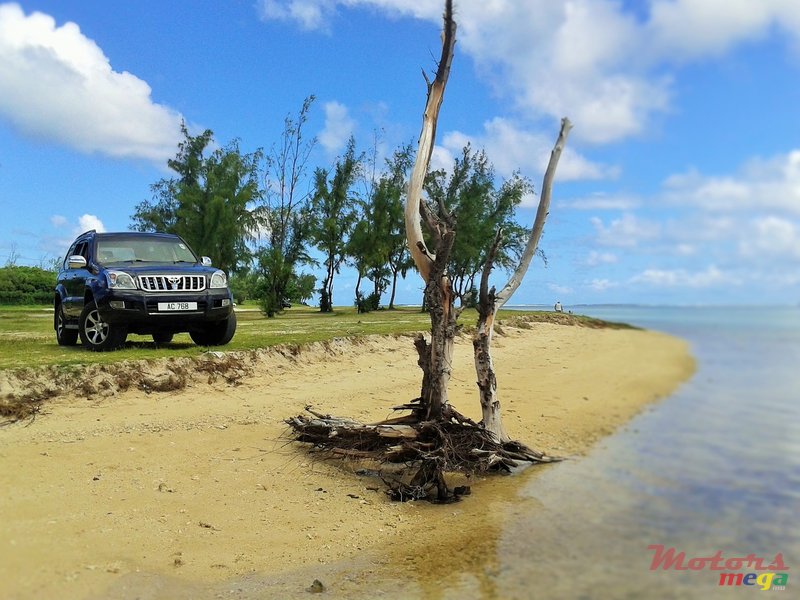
{"type": "Point", "coordinates": [172, 283]}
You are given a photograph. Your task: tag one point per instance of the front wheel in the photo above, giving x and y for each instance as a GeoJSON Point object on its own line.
{"type": "Point", "coordinates": [96, 334]}
{"type": "Point", "coordinates": [64, 336]}
{"type": "Point", "coordinates": [215, 334]}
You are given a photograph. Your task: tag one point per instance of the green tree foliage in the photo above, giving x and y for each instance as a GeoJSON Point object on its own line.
{"type": "Point", "coordinates": [287, 215]}
{"type": "Point", "coordinates": [26, 285]}
{"type": "Point", "coordinates": [301, 288]}
{"type": "Point", "coordinates": [333, 216]}
{"type": "Point", "coordinates": [389, 203]}
{"type": "Point", "coordinates": [481, 209]}
{"type": "Point", "coordinates": [378, 242]}
{"type": "Point", "coordinates": [214, 203]}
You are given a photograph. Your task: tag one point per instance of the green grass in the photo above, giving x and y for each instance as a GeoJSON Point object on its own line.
{"type": "Point", "coordinates": [27, 338]}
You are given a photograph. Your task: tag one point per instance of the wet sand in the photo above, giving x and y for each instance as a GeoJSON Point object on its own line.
{"type": "Point", "coordinates": [197, 492]}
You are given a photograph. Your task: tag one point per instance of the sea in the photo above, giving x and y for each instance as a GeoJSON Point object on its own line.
{"type": "Point", "coordinates": [714, 467]}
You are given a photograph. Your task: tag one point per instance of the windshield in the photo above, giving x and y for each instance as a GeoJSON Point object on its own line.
{"type": "Point", "coordinates": [145, 249]}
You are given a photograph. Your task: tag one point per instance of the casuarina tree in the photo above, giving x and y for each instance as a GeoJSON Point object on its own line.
{"type": "Point", "coordinates": [333, 216]}
{"type": "Point", "coordinates": [287, 227]}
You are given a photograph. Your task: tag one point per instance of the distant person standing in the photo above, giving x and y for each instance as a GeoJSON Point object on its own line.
{"type": "Point", "coordinates": [558, 307]}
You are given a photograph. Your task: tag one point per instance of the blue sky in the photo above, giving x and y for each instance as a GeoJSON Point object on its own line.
{"type": "Point", "coordinates": [681, 183]}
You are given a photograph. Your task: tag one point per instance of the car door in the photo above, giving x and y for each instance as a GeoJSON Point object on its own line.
{"type": "Point", "coordinates": [74, 283]}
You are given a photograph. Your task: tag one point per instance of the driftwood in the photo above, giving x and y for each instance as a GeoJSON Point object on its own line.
{"type": "Point", "coordinates": [428, 448]}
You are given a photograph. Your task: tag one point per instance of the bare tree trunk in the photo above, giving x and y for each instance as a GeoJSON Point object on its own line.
{"type": "Point", "coordinates": [490, 302]}
{"type": "Point", "coordinates": [440, 300]}
{"type": "Point", "coordinates": [487, 380]}
{"type": "Point", "coordinates": [438, 289]}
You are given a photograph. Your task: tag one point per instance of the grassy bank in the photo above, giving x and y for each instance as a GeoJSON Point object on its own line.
{"type": "Point", "coordinates": [27, 338]}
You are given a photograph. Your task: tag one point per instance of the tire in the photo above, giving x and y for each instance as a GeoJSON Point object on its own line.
{"type": "Point", "coordinates": [163, 337]}
{"type": "Point", "coordinates": [215, 334]}
{"type": "Point", "coordinates": [96, 334]}
{"type": "Point", "coordinates": [64, 336]}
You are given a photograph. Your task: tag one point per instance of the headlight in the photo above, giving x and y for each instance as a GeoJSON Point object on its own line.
{"type": "Point", "coordinates": [119, 280]}
{"type": "Point", "coordinates": [219, 280]}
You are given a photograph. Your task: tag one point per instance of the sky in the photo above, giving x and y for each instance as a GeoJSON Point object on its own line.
{"type": "Point", "coordinates": [680, 183]}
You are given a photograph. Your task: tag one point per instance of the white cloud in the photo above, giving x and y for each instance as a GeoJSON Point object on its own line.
{"type": "Point", "coordinates": [339, 126]}
{"type": "Point", "coordinates": [559, 289]}
{"type": "Point", "coordinates": [681, 278]}
{"type": "Point", "coordinates": [771, 238]}
{"type": "Point", "coordinates": [606, 68]}
{"type": "Point", "coordinates": [58, 85]}
{"type": "Point", "coordinates": [310, 14]}
{"type": "Point", "coordinates": [688, 29]}
{"type": "Point", "coordinates": [87, 222]}
{"type": "Point", "coordinates": [596, 258]}
{"type": "Point", "coordinates": [627, 231]}
{"type": "Point", "coordinates": [760, 184]}
{"type": "Point", "coordinates": [601, 201]}
{"type": "Point", "coordinates": [58, 221]}
{"type": "Point", "coordinates": [511, 148]}
{"type": "Point", "coordinates": [601, 285]}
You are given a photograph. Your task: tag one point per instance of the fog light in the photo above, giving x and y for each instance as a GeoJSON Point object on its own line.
{"type": "Point", "coordinates": [116, 304]}
{"type": "Point", "coordinates": [225, 302]}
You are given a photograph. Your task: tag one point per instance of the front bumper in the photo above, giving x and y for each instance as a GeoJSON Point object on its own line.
{"type": "Point", "coordinates": [140, 310]}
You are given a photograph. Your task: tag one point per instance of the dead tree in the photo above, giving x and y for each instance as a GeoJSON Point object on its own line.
{"type": "Point", "coordinates": [434, 438]}
{"type": "Point", "coordinates": [491, 301]}
{"type": "Point", "coordinates": [436, 358]}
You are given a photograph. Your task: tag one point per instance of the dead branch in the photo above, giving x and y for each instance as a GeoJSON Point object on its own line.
{"type": "Point", "coordinates": [423, 258]}
{"type": "Point", "coordinates": [541, 215]}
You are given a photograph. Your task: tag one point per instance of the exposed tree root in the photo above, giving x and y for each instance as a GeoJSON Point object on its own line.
{"type": "Point", "coordinates": [428, 449]}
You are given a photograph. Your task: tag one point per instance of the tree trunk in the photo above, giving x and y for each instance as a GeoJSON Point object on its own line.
{"type": "Point", "coordinates": [482, 348]}
{"type": "Point", "coordinates": [443, 330]}
{"type": "Point", "coordinates": [438, 289]}
{"type": "Point", "coordinates": [487, 380]}
{"type": "Point", "coordinates": [394, 289]}
{"type": "Point", "coordinates": [489, 302]}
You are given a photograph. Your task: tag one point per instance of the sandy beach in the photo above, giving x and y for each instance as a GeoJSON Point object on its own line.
{"type": "Point", "coordinates": [173, 494]}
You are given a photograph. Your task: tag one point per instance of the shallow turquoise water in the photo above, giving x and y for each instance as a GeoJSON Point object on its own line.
{"type": "Point", "coordinates": [714, 467]}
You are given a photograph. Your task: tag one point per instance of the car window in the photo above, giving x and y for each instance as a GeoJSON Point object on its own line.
{"type": "Point", "coordinates": [70, 252]}
{"type": "Point", "coordinates": [148, 250]}
{"type": "Point", "coordinates": [82, 249]}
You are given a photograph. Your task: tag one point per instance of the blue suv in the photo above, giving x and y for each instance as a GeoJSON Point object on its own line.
{"type": "Point", "coordinates": [113, 284]}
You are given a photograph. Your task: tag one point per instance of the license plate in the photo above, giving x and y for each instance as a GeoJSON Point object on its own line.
{"type": "Point", "coordinates": [176, 306]}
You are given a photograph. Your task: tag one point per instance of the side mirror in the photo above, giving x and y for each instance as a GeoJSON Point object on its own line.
{"type": "Point", "coordinates": [206, 261]}
{"type": "Point", "coordinates": [77, 262]}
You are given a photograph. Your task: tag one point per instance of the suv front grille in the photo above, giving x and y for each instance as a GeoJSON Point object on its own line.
{"type": "Point", "coordinates": [172, 283]}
